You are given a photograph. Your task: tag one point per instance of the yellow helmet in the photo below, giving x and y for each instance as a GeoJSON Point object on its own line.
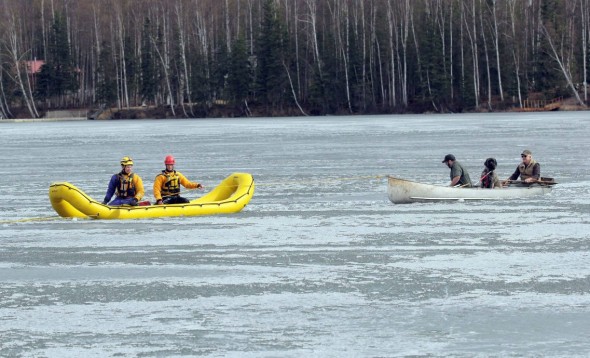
{"type": "Point", "coordinates": [126, 161]}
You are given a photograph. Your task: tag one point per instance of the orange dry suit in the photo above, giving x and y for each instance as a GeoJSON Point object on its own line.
{"type": "Point", "coordinates": [167, 184]}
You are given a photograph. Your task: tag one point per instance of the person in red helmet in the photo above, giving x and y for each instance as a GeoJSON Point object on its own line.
{"type": "Point", "coordinates": [167, 184]}
{"type": "Point", "coordinates": [126, 185]}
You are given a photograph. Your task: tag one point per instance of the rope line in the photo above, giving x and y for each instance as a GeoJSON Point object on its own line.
{"type": "Point", "coordinates": [48, 218]}
{"type": "Point", "coordinates": [39, 218]}
{"type": "Point", "coordinates": [328, 180]}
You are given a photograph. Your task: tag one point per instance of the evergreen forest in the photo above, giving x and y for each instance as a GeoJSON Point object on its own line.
{"type": "Point", "coordinates": [291, 57]}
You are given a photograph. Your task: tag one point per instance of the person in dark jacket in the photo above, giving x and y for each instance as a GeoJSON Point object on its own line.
{"type": "Point", "coordinates": [126, 185]}
{"type": "Point", "coordinates": [459, 175]}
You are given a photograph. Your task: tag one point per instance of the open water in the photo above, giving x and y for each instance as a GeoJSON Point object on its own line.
{"type": "Point", "coordinates": [320, 263]}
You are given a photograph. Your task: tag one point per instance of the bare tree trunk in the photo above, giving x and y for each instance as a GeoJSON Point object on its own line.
{"type": "Point", "coordinates": [166, 42]}
{"type": "Point", "coordinates": [378, 59]}
{"type": "Point", "coordinates": [363, 34]}
{"type": "Point", "coordinates": [440, 20]}
{"type": "Point", "coordinates": [375, 68]}
{"type": "Point", "coordinates": [238, 19]}
{"type": "Point", "coordinates": [584, 4]}
{"type": "Point", "coordinates": [227, 28]}
{"type": "Point", "coordinates": [118, 64]}
{"type": "Point", "coordinates": [298, 69]}
{"type": "Point", "coordinates": [183, 57]}
{"type": "Point", "coordinates": [391, 26]}
{"type": "Point", "coordinates": [462, 37]}
{"type": "Point", "coordinates": [44, 30]}
{"type": "Point", "coordinates": [417, 49]}
{"type": "Point", "coordinates": [251, 27]}
{"type": "Point", "coordinates": [293, 90]}
{"type": "Point", "coordinates": [485, 49]}
{"type": "Point", "coordinates": [515, 55]}
{"type": "Point", "coordinates": [408, 14]}
{"type": "Point", "coordinates": [93, 76]}
{"type": "Point", "coordinates": [311, 5]}
{"type": "Point", "coordinates": [96, 28]}
{"type": "Point", "coordinates": [497, 47]}
{"type": "Point", "coordinates": [166, 74]}
{"type": "Point", "coordinates": [562, 66]}
{"type": "Point", "coordinates": [66, 98]}
{"type": "Point", "coordinates": [344, 44]}
{"type": "Point", "coordinates": [346, 53]}
{"type": "Point", "coordinates": [475, 55]}
{"type": "Point", "coordinates": [122, 54]}
{"type": "Point", "coordinates": [4, 108]}
{"type": "Point", "coordinates": [201, 28]}
{"type": "Point", "coordinates": [16, 57]}
{"type": "Point", "coordinates": [452, 79]}
{"type": "Point", "coordinates": [474, 51]}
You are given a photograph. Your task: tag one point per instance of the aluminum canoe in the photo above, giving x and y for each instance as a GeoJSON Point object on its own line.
{"type": "Point", "coordinates": [401, 191]}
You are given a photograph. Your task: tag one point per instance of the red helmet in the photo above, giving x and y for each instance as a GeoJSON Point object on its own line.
{"type": "Point", "coordinates": [169, 160]}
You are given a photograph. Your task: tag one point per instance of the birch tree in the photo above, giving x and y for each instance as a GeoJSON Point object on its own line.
{"type": "Point", "coordinates": [585, 20]}
{"type": "Point", "coordinates": [562, 61]}
{"type": "Point", "coordinates": [182, 45]}
{"type": "Point", "coordinates": [487, 57]}
{"type": "Point", "coordinates": [4, 107]}
{"type": "Point", "coordinates": [17, 56]}
{"type": "Point", "coordinates": [496, 41]}
{"type": "Point", "coordinates": [471, 31]}
{"type": "Point", "coordinates": [512, 5]}
{"type": "Point", "coordinates": [161, 49]}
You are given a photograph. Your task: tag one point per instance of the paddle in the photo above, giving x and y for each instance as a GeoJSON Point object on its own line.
{"type": "Point", "coordinates": [200, 187]}
{"type": "Point", "coordinates": [473, 186]}
{"type": "Point", "coordinates": [476, 184]}
{"type": "Point", "coordinates": [186, 189]}
{"type": "Point", "coordinates": [482, 178]}
{"type": "Point", "coordinates": [541, 181]}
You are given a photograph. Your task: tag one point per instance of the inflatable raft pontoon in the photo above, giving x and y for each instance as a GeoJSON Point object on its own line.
{"type": "Point", "coordinates": [230, 196]}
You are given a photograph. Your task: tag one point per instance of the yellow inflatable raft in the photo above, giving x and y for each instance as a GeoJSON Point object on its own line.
{"type": "Point", "coordinates": [230, 196]}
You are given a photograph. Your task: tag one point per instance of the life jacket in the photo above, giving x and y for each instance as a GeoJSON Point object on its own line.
{"type": "Point", "coordinates": [487, 179]}
{"type": "Point", "coordinates": [526, 171]}
{"type": "Point", "coordinates": [172, 185]}
{"type": "Point", "coordinates": [125, 186]}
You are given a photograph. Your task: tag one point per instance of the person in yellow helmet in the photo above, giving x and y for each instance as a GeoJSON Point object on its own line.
{"type": "Point", "coordinates": [167, 184]}
{"type": "Point", "coordinates": [126, 185]}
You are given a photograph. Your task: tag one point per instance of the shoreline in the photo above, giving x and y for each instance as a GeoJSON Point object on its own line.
{"type": "Point", "coordinates": [27, 120]}
{"type": "Point", "coordinates": [144, 116]}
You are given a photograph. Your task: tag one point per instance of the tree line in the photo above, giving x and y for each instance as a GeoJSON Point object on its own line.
{"type": "Point", "coordinates": [275, 56]}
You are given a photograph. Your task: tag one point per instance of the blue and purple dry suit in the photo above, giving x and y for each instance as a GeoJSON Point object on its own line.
{"type": "Point", "coordinates": [127, 188]}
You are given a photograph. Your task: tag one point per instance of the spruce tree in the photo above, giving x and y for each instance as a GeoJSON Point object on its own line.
{"type": "Point", "coordinates": [271, 80]}
{"type": "Point", "coordinates": [148, 74]}
{"type": "Point", "coordinates": [58, 76]}
{"type": "Point", "coordinates": [240, 72]}
{"type": "Point", "coordinates": [106, 87]}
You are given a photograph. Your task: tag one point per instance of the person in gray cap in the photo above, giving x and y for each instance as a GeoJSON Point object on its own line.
{"type": "Point", "coordinates": [529, 170]}
{"type": "Point", "coordinates": [459, 175]}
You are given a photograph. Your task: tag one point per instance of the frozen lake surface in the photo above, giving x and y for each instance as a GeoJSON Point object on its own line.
{"type": "Point", "coordinates": [320, 263]}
